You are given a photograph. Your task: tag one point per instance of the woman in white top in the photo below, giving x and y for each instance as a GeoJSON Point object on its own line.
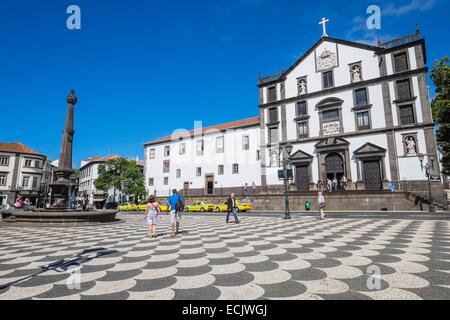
{"type": "Point", "coordinates": [322, 204]}
{"type": "Point", "coordinates": [151, 215]}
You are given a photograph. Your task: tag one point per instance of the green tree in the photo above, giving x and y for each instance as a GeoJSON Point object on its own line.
{"type": "Point", "coordinates": [121, 175]}
{"type": "Point", "coordinates": [440, 75]}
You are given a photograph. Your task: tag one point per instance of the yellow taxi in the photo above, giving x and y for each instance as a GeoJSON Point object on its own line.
{"type": "Point", "coordinates": [132, 207]}
{"type": "Point", "coordinates": [241, 207]}
{"type": "Point", "coordinates": [200, 206]}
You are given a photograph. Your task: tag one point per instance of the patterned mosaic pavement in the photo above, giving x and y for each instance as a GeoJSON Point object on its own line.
{"type": "Point", "coordinates": [261, 258]}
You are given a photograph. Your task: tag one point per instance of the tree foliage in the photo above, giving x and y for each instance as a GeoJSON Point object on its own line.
{"type": "Point", "coordinates": [440, 75]}
{"type": "Point", "coordinates": [123, 175]}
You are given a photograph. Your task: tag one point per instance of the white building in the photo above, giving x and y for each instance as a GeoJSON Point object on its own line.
{"type": "Point", "coordinates": [349, 109]}
{"type": "Point", "coordinates": [89, 172]}
{"type": "Point", "coordinates": [21, 173]}
{"type": "Point", "coordinates": [212, 160]}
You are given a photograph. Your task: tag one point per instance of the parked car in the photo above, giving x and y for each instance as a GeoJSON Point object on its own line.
{"type": "Point", "coordinates": [132, 207]}
{"type": "Point", "coordinates": [200, 206]}
{"type": "Point", "coordinates": [241, 207]}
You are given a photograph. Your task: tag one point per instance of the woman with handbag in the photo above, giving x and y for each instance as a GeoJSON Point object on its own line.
{"type": "Point", "coordinates": [151, 216]}
{"type": "Point", "coordinates": [322, 204]}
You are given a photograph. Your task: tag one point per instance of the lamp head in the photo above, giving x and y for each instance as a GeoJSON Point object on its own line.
{"type": "Point", "coordinates": [432, 158]}
{"type": "Point", "coordinates": [289, 148]}
{"type": "Point", "coordinates": [421, 158]}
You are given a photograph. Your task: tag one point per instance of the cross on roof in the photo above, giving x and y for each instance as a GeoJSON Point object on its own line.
{"type": "Point", "coordinates": [324, 25]}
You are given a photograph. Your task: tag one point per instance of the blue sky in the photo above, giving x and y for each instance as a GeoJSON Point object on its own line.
{"type": "Point", "coordinates": [142, 69]}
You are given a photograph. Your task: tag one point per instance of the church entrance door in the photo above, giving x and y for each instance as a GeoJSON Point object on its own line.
{"type": "Point", "coordinates": [334, 166]}
{"type": "Point", "coordinates": [372, 175]}
{"type": "Point", "coordinates": [302, 177]}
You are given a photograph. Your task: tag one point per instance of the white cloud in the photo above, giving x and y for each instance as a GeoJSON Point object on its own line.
{"type": "Point", "coordinates": [414, 5]}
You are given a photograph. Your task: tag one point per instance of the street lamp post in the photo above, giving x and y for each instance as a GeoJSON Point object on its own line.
{"type": "Point", "coordinates": [428, 167]}
{"type": "Point", "coordinates": [286, 151]}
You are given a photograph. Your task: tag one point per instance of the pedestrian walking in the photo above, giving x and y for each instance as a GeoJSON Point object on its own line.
{"type": "Point", "coordinates": [329, 185]}
{"type": "Point", "coordinates": [232, 208]}
{"type": "Point", "coordinates": [246, 189]}
{"type": "Point", "coordinates": [151, 215]}
{"type": "Point", "coordinates": [84, 203]}
{"type": "Point", "coordinates": [335, 184]}
{"type": "Point", "coordinates": [344, 183]}
{"type": "Point", "coordinates": [322, 204]}
{"type": "Point", "coordinates": [19, 203]}
{"type": "Point", "coordinates": [253, 188]}
{"type": "Point", "coordinates": [176, 206]}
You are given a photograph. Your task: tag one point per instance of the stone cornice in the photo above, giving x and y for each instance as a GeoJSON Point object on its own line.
{"type": "Point", "coordinates": [358, 134]}
{"type": "Point", "coordinates": [349, 86]}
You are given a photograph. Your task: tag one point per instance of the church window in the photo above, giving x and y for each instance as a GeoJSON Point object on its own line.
{"type": "Point", "coordinates": [328, 81]}
{"type": "Point", "coordinates": [166, 181]}
{"type": "Point", "coordinates": [273, 115]}
{"type": "Point", "coordinates": [273, 135]}
{"type": "Point", "coordinates": [182, 148]}
{"type": "Point", "coordinates": [401, 62]}
{"type": "Point", "coordinates": [246, 143]}
{"type": "Point", "coordinates": [221, 170]}
{"type": "Point", "coordinates": [151, 182]}
{"type": "Point", "coordinates": [272, 94]}
{"type": "Point", "coordinates": [235, 168]}
{"type": "Point", "coordinates": [178, 173]}
{"type": "Point", "coordinates": [404, 89]}
{"type": "Point", "coordinates": [199, 172]}
{"type": "Point", "coordinates": [302, 110]}
{"type": "Point", "coordinates": [166, 166]}
{"type": "Point", "coordinates": [331, 115]}
{"type": "Point", "coordinates": [407, 114]}
{"type": "Point", "coordinates": [303, 129]}
{"type": "Point", "coordinates": [363, 120]}
{"type": "Point", "coordinates": [361, 97]}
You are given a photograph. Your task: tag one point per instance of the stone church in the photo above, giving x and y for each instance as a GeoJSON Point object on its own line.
{"type": "Point", "coordinates": [348, 109]}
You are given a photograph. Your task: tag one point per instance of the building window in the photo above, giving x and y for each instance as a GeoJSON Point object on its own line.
{"type": "Point", "coordinates": [302, 110]}
{"type": "Point", "coordinates": [363, 120]}
{"type": "Point", "coordinates": [166, 181]}
{"type": "Point", "coordinates": [273, 135]}
{"type": "Point", "coordinates": [178, 173]}
{"type": "Point", "coordinates": [28, 163]}
{"type": "Point", "coordinates": [404, 89]}
{"type": "Point", "coordinates": [221, 170]}
{"type": "Point", "coordinates": [273, 115]}
{"type": "Point", "coordinates": [407, 114]}
{"type": "Point", "coordinates": [401, 62]}
{"type": "Point", "coordinates": [258, 155]}
{"type": "Point", "coordinates": [35, 182]}
{"type": "Point", "coordinates": [166, 166]}
{"type": "Point", "coordinates": [152, 154]}
{"type": "Point", "coordinates": [246, 143]}
{"type": "Point", "coordinates": [272, 94]}
{"type": "Point", "coordinates": [199, 172]}
{"type": "Point", "coordinates": [361, 99]}
{"type": "Point", "coordinates": [4, 161]}
{"type": "Point", "coordinates": [235, 168]}
{"type": "Point", "coordinates": [166, 151]}
{"type": "Point", "coordinates": [37, 164]}
{"type": "Point", "coordinates": [331, 115]}
{"type": "Point", "coordinates": [200, 147]}
{"type": "Point", "coordinates": [220, 145]}
{"type": "Point", "coordinates": [25, 182]}
{"type": "Point", "coordinates": [303, 129]}
{"type": "Point", "coordinates": [182, 148]}
{"type": "Point", "coordinates": [3, 178]}
{"type": "Point", "coordinates": [328, 81]}
{"type": "Point", "coordinates": [151, 182]}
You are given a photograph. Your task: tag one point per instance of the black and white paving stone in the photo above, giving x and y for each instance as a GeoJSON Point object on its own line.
{"type": "Point", "coordinates": [262, 258]}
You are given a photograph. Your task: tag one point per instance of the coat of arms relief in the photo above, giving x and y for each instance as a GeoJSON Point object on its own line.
{"type": "Point", "coordinates": [326, 60]}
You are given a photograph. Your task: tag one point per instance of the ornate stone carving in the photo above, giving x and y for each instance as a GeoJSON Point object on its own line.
{"type": "Point", "coordinates": [326, 60]}
{"type": "Point", "coordinates": [331, 128]}
{"type": "Point", "coordinates": [274, 158]}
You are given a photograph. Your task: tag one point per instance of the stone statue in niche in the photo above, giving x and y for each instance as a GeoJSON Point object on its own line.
{"type": "Point", "coordinates": [273, 158]}
{"type": "Point", "coordinates": [302, 89]}
{"type": "Point", "coordinates": [356, 73]}
{"type": "Point", "coordinates": [411, 146]}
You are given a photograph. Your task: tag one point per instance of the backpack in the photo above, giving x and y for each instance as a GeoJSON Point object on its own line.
{"type": "Point", "coordinates": [180, 204]}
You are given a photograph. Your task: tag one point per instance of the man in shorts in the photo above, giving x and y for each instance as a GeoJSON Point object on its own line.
{"type": "Point", "coordinates": [175, 216]}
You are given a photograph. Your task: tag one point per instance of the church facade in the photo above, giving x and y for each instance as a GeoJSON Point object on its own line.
{"type": "Point", "coordinates": [348, 109]}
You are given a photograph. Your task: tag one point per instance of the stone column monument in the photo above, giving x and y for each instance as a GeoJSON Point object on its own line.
{"type": "Point", "coordinates": [62, 186]}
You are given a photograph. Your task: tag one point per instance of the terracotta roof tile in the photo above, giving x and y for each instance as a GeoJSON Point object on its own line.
{"type": "Point", "coordinates": [224, 126]}
{"type": "Point", "coordinates": [17, 147]}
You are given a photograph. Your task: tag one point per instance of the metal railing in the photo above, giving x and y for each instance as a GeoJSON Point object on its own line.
{"type": "Point", "coordinates": [400, 41]}
{"type": "Point", "coordinates": [420, 189]}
